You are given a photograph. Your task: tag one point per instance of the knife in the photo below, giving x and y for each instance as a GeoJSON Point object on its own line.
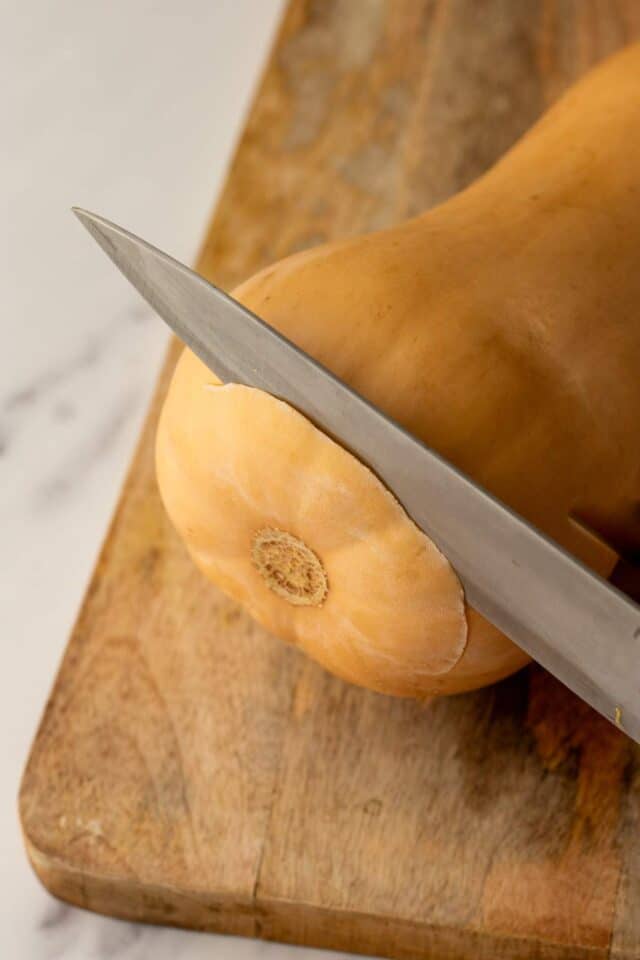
{"type": "Point", "coordinates": [570, 620]}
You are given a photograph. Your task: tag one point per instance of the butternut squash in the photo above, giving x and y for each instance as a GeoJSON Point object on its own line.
{"type": "Point", "coordinates": [503, 329]}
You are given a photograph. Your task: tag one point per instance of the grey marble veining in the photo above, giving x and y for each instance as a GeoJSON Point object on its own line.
{"type": "Point", "coordinates": [53, 406]}
{"type": "Point", "coordinates": [130, 109]}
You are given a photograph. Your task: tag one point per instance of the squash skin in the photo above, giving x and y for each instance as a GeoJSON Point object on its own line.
{"type": "Point", "coordinates": [393, 614]}
{"type": "Point", "coordinates": [502, 329]}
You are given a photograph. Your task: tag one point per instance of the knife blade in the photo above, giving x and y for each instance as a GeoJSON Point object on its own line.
{"type": "Point", "coordinates": [567, 618]}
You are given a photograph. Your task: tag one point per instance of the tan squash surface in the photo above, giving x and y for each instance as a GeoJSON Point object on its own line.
{"type": "Point", "coordinates": [503, 329]}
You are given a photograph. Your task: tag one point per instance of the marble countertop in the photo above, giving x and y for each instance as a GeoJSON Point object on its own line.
{"type": "Point", "coordinates": [129, 109]}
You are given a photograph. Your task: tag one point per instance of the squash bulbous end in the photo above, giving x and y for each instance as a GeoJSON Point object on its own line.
{"type": "Point", "coordinates": [306, 537]}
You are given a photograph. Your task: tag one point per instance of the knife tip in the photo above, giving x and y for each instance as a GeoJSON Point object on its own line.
{"type": "Point", "coordinates": [82, 214]}
{"type": "Point", "coordinates": [95, 224]}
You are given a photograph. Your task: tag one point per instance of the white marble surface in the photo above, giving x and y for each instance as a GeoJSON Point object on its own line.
{"type": "Point", "coordinates": [129, 108]}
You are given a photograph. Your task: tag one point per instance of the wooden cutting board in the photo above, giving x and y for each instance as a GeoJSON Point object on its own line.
{"type": "Point", "coordinates": [191, 770]}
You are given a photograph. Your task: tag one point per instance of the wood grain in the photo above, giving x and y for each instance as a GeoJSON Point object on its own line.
{"type": "Point", "coordinates": [189, 769]}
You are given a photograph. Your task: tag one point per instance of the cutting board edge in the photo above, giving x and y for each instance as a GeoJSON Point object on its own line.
{"type": "Point", "coordinates": [284, 921]}
{"type": "Point", "coordinates": [140, 901]}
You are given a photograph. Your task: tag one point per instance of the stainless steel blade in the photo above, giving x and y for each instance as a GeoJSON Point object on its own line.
{"type": "Point", "coordinates": [568, 619]}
